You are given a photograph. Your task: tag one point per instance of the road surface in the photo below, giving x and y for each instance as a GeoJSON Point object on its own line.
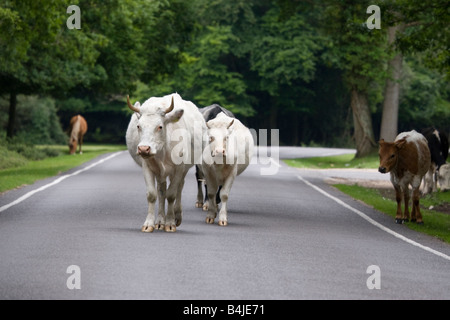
{"type": "Point", "coordinates": [290, 236]}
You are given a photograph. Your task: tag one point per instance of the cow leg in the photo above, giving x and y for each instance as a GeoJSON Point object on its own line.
{"type": "Point", "coordinates": [174, 193]}
{"type": "Point", "coordinates": [80, 139]}
{"type": "Point", "coordinates": [199, 176]}
{"type": "Point", "coordinates": [224, 192]}
{"type": "Point", "coordinates": [398, 198]}
{"type": "Point", "coordinates": [416, 215]}
{"type": "Point", "coordinates": [206, 204]}
{"type": "Point", "coordinates": [161, 219]}
{"type": "Point", "coordinates": [178, 210]}
{"type": "Point", "coordinates": [212, 206]}
{"type": "Point", "coordinates": [149, 223]}
{"type": "Point", "coordinates": [406, 197]}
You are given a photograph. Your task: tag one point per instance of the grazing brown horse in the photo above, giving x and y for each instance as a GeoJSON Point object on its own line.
{"type": "Point", "coordinates": [77, 129]}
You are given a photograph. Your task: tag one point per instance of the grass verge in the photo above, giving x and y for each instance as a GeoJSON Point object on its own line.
{"type": "Point", "coordinates": [436, 224]}
{"type": "Point", "coordinates": [30, 171]}
{"type": "Point", "coordinates": [335, 162]}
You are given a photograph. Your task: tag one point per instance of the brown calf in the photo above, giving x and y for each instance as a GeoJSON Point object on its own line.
{"type": "Point", "coordinates": [77, 129]}
{"type": "Point", "coordinates": [408, 160]}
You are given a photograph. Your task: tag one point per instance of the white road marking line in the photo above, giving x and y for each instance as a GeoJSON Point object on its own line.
{"type": "Point", "coordinates": [378, 225]}
{"type": "Point", "coordinates": [31, 193]}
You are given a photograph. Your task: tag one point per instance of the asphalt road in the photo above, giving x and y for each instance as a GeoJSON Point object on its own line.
{"type": "Point", "coordinates": [290, 236]}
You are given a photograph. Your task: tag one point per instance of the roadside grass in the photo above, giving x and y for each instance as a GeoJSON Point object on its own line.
{"type": "Point", "coordinates": [335, 162]}
{"type": "Point", "coordinates": [436, 224]}
{"type": "Point", "coordinates": [25, 171]}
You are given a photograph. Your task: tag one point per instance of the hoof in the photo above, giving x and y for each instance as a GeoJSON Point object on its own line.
{"type": "Point", "coordinates": [406, 220]}
{"type": "Point", "coordinates": [177, 222]}
{"type": "Point", "coordinates": [223, 223]}
{"type": "Point", "coordinates": [147, 229]}
{"type": "Point", "coordinates": [420, 223]}
{"type": "Point", "coordinates": [159, 226]}
{"type": "Point", "coordinates": [205, 207]}
{"type": "Point", "coordinates": [209, 220]}
{"type": "Point", "coordinates": [198, 204]}
{"type": "Point", "coordinates": [170, 228]}
{"type": "Point", "coordinates": [399, 221]}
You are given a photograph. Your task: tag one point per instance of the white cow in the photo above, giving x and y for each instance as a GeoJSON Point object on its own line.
{"type": "Point", "coordinates": [228, 154]}
{"type": "Point", "coordinates": [164, 137]}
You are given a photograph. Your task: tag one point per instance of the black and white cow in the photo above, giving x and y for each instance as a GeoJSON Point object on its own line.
{"type": "Point", "coordinates": [438, 145]}
{"type": "Point", "coordinates": [209, 113]}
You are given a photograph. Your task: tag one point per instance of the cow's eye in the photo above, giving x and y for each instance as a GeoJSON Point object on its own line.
{"type": "Point", "coordinates": [392, 156]}
{"type": "Point", "coordinates": [139, 127]}
{"type": "Point", "coordinates": [211, 139]}
{"type": "Point", "coordinates": [160, 127]}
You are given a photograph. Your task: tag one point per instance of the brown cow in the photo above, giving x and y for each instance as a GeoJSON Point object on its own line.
{"type": "Point", "coordinates": [77, 129]}
{"type": "Point", "coordinates": [408, 160]}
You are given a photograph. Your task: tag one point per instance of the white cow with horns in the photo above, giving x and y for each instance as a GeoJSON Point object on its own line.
{"type": "Point", "coordinates": [164, 137]}
{"type": "Point", "coordinates": [227, 155]}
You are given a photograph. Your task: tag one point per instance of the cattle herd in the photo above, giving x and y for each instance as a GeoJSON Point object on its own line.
{"type": "Point", "coordinates": [167, 135]}
{"type": "Point", "coordinates": [410, 158]}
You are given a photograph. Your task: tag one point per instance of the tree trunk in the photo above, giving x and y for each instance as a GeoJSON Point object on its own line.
{"type": "Point", "coordinates": [362, 121]}
{"type": "Point", "coordinates": [389, 118]}
{"type": "Point", "coordinates": [12, 115]}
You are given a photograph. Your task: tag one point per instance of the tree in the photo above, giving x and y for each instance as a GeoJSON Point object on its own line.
{"type": "Point", "coordinates": [40, 56]}
{"type": "Point", "coordinates": [119, 43]}
{"type": "Point", "coordinates": [413, 26]}
{"type": "Point", "coordinates": [360, 52]}
{"type": "Point", "coordinates": [389, 120]}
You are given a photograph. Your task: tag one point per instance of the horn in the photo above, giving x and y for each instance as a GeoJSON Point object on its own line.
{"type": "Point", "coordinates": [170, 108]}
{"type": "Point", "coordinates": [131, 106]}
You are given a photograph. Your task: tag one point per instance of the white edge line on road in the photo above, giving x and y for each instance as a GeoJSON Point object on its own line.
{"type": "Point", "coordinates": [378, 225]}
{"type": "Point", "coordinates": [54, 182]}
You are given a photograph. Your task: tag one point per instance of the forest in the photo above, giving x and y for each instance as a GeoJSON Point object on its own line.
{"type": "Point", "coordinates": [319, 71]}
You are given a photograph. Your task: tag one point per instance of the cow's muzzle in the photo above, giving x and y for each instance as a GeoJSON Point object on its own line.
{"type": "Point", "coordinates": [219, 152]}
{"type": "Point", "coordinates": [144, 151]}
{"type": "Point", "coordinates": [382, 169]}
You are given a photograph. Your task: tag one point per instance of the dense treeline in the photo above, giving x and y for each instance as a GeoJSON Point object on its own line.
{"type": "Point", "coordinates": [312, 69]}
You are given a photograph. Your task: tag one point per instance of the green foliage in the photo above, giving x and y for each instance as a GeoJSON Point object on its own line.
{"type": "Point", "coordinates": [37, 120]}
{"type": "Point", "coordinates": [426, 31]}
{"type": "Point", "coordinates": [425, 100]}
{"type": "Point", "coordinates": [284, 51]}
{"type": "Point", "coordinates": [39, 53]}
{"type": "Point", "coordinates": [276, 64]}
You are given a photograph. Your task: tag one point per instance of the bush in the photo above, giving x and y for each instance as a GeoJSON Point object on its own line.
{"type": "Point", "coordinates": [10, 158]}
{"type": "Point", "coordinates": [36, 120]}
{"type": "Point", "coordinates": [16, 152]}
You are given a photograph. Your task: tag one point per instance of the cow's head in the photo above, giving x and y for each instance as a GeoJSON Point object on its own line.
{"type": "Point", "coordinates": [151, 126]}
{"type": "Point", "coordinates": [388, 153]}
{"type": "Point", "coordinates": [73, 142]}
{"type": "Point", "coordinates": [219, 130]}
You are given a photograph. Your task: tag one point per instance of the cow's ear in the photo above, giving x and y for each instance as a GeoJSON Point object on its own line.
{"type": "Point", "coordinates": [175, 116]}
{"type": "Point", "coordinates": [400, 143]}
{"type": "Point", "coordinates": [381, 142]}
{"type": "Point", "coordinates": [137, 109]}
